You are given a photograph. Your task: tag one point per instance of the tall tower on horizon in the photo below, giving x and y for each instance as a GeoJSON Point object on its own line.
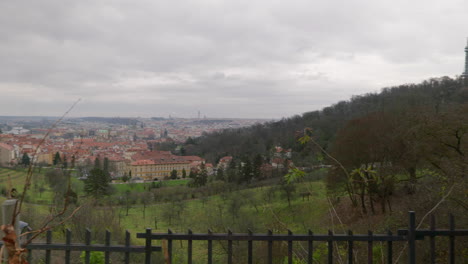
{"type": "Point", "coordinates": [465, 73]}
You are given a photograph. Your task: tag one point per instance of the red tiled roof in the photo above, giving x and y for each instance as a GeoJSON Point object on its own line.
{"type": "Point", "coordinates": [192, 158]}
{"type": "Point", "coordinates": [6, 146]}
{"type": "Point", "coordinates": [143, 162]}
{"type": "Point", "coordinates": [226, 159]}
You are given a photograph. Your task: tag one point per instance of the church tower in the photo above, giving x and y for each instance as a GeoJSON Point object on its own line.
{"type": "Point", "coordinates": [465, 73]}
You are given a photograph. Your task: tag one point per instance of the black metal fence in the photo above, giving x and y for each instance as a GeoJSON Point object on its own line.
{"type": "Point", "coordinates": [408, 236]}
{"type": "Point", "coordinates": [87, 247]}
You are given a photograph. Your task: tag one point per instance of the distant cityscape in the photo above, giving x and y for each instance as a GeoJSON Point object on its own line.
{"type": "Point", "coordinates": [126, 143]}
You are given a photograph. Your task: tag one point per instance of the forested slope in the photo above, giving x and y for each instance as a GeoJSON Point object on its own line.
{"type": "Point", "coordinates": [434, 94]}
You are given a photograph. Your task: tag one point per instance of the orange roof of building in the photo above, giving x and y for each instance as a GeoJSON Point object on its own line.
{"type": "Point", "coordinates": [6, 146]}
{"type": "Point", "coordinates": [143, 162]}
{"type": "Point", "coordinates": [226, 159]}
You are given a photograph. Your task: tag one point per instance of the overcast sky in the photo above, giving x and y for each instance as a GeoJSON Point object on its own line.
{"type": "Point", "coordinates": [239, 58]}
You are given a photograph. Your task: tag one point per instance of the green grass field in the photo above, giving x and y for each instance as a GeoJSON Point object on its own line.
{"type": "Point", "coordinates": [201, 214]}
{"type": "Point", "coordinates": [141, 187]}
{"type": "Point", "coordinates": [258, 209]}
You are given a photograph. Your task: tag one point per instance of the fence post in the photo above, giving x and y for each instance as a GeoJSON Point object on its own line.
{"type": "Point", "coordinates": [310, 254]}
{"type": "Point", "coordinates": [330, 247]}
{"type": "Point", "coordinates": [412, 238]}
{"type": "Point", "coordinates": [390, 248]}
{"type": "Point", "coordinates": [350, 247]}
{"type": "Point", "coordinates": [210, 247]}
{"type": "Point", "coordinates": [107, 253]}
{"type": "Point", "coordinates": [87, 242]}
{"type": "Point", "coordinates": [250, 248]}
{"type": "Point", "coordinates": [68, 242]}
{"type": "Point", "coordinates": [290, 248]}
{"type": "Point", "coordinates": [432, 239]}
{"type": "Point", "coordinates": [370, 247]}
{"type": "Point", "coordinates": [169, 246]}
{"type": "Point", "coordinates": [189, 250]}
{"type": "Point", "coordinates": [48, 241]}
{"type": "Point", "coordinates": [127, 246]}
{"type": "Point", "coordinates": [270, 247]}
{"type": "Point", "coordinates": [452, 239]}
{"type": "Point", "coordinates": [148, 246]}
{"type": "Point", "coordinates": [229, 247]}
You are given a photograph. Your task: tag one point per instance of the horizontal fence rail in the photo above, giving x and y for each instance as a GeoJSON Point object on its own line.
{"type": "Point", "coordinates": [408, 236]}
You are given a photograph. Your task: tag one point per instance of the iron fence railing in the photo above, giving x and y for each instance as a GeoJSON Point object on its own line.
{"type": "Point", "coordinates": [410, 236]}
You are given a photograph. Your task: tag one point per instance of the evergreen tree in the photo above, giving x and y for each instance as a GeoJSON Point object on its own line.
{"type": "Point", "coordinates": [231, 172]}
{"type": "Point", "coordinates": [125, 178]}
{"type": "Point", "coordinates": [97, 163]}
{"type": "Point", "coordinates": [192, 174]}
{"type": "Point", "coordinates": [246, 171]}
{"type": "Point", "coordinates": [257, 164]}
{"type": "Point", "coordinates": [105, 167]}
{"type": "Point", "coordinates": [57, 159]}
{"type": "Point", "coordinates": [97, 183]}
{"type": "Point", "coordinates": [173, 174]}
{"type": "Point", "coordinates": [184, 173]}
{"type": "Point", "coordinates": [190, 141]}
{"type": "Point", "coordinates": [25, 160]}
{"type": "Point", "coordinates": [65, 162]}
{"type": "Point", "coordinates": [202, 176]}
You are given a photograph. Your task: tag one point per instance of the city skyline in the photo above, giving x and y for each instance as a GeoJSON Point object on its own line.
{"type": "Point", "coordinates": [242, 59]}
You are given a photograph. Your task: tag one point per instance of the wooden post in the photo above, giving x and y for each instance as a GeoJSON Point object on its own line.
{"type": "Point", "coordinates": [8, 210]}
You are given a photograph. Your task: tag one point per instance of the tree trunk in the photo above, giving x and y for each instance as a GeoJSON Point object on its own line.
{"type": "Point", "coordinates": [413, 180]}
{"type": "Point", "coordinates": [363, 200]}
{"type": "Point", "coordinates": [382, 203]}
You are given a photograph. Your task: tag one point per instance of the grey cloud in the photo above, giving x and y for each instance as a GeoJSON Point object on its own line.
{"type": "Point", "coordinates": [274, 58]}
